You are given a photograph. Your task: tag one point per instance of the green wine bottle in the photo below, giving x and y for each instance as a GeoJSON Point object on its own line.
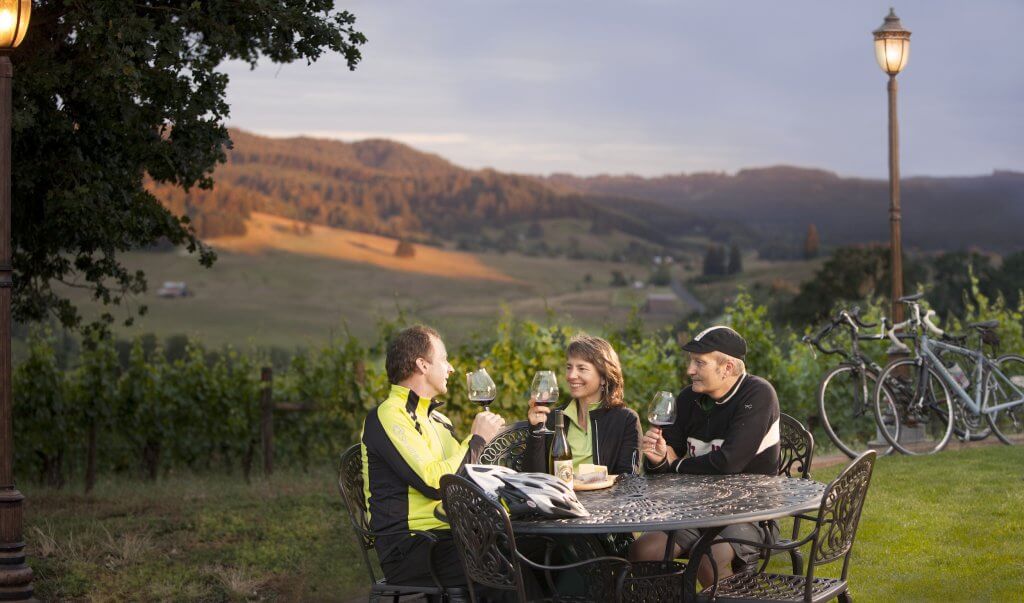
{"type": "Point", "coordinates": [560, 454]}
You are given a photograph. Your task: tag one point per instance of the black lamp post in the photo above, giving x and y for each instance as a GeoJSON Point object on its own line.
{"type": "Point", "coordinates": [15, 575]}
{"type": "Point", "coordinates": [892, 49]}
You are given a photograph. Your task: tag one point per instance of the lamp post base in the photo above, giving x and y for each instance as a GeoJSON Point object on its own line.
{"type": "Point", "coordinates": [15, 576]}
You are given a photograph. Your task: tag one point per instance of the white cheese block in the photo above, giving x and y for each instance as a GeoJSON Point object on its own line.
{"type": "Point", "coordinates": [592, 474]}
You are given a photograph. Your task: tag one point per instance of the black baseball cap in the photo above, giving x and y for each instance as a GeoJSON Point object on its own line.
{"type": "Point", "coordinates": [718, 339]}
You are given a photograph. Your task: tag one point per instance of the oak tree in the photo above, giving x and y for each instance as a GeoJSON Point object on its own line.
{"type": "Point", "coordinates": [108, 93]}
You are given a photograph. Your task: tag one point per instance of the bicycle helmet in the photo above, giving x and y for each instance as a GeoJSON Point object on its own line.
{"type": "Point", "coordinates": [488, 477]}
{"type": "Point", "coordinates": [539, 493]}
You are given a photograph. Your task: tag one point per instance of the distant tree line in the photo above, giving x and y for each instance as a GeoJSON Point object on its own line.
{"type": "Point", "coordinates": [717, 263]}
{"type": "Point", "coordinates": [853, 273]}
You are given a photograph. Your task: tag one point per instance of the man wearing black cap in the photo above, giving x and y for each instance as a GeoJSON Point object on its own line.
{"type": "Point", "coordinates": [727, 422]}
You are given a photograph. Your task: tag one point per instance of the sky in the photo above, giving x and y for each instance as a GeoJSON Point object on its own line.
{"type": "Point", "coordinates": [655, 87]}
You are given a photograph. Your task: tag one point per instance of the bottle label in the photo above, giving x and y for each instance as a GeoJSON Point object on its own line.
{"type": "Point", "coordinates": [563, 471]}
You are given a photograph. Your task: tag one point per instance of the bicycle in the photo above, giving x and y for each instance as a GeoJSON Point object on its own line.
{"type": "Point", "coordinates": [922, 385]}
{"type": "Point", "coordinates": [846, 393]}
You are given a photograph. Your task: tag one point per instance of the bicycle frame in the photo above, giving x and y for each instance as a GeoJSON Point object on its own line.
{"type": "Point", "coordinates": [857, 360]}
{"type": "Point", "coordinates": [982, 363]}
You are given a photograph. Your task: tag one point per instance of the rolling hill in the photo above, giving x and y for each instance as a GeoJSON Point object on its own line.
{"type": "Point", "coordinates": [386, 188]}
{"type": "Point", "coordinates": [390, 189]}
{"type": "Point", "coordinates": [778, 203]}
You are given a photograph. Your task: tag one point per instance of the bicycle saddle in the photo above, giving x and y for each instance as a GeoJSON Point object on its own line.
{"type": "Point", "coordinates": [910, 298]}
{"type": "Point", "coordinates": [987, 324]}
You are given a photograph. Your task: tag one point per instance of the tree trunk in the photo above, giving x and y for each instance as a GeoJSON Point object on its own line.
{"type": "Point", "coordinates": [250, 452]}
{"type": "Point", "coordinates": [151, 459]}
{"type": "Point", "coordinates": [51, 474]}
{"type": "Point", "coordinates": [58, 470]}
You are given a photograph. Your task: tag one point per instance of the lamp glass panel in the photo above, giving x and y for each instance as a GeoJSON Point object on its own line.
{"type": "Point", "coordinates": [14, 16]}
{"type": "Point", "coordinates": [26, 12]}
{"type": "Point", "coordinates": [892, 54]}
{"type": "Point", "coordinates": [904, 54]}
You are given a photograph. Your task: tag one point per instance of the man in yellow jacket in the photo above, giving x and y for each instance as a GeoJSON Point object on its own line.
{"type": "Point", "coordinates": [407, 446]}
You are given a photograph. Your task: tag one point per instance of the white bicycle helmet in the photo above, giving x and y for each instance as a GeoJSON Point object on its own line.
{"type": "Point", "coordinates": [540, 493]}
{"type": "Point", "coordinates": [488, 477]}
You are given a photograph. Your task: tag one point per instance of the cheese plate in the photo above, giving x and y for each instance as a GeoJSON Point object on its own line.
{"type": "Point", "coordinates": [581, 487]}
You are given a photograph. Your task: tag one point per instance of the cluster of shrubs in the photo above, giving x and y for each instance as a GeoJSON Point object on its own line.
{"type": "Point", "coordinates": [199, 410]}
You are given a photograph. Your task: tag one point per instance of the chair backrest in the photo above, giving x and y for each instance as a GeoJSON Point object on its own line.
{"type": "Point", "coordinates": [839, 513]}
{"type": "Point", "coordinates": [796, 448]}
{"type": "Point", "coordinates": [508, 448]}
{"type": "Point", "coordinates": [350, 484]}
{"type": "Point", "coordinates": [483, 536]}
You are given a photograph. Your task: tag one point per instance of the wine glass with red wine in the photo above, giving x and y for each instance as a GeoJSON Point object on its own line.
{"type": "Point", "coordinates": [481, 388]}
{"type": "Point", "coordinates": [544, 391]}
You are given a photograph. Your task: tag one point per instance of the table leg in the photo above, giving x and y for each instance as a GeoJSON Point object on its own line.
{"type": "Point", "coordinates": [669, 548]}
{"type": "Point", "coordinates": [702, 546]}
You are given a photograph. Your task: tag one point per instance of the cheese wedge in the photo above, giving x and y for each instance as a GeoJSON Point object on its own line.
{"type": "Point", "coordinates": [592, 474]}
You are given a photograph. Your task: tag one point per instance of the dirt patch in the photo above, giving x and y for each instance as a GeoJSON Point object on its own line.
{"type": "Point", "coordinates": [265, 232]}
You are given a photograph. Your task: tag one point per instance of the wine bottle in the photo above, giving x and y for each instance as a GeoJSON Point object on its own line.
{"type": "Point", "coordinates": [560, 454]}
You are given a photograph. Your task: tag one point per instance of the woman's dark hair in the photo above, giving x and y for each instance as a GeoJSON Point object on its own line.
{"type": "Point", "coordinates": [602, 355]}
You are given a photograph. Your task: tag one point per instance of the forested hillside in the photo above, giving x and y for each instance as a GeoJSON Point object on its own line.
{"type": "Point", "coordinates": [383, 187]}
{"type": "Point", "coordinates": [387, 188]}
{"type": "Point", "coordinates": [778, 203]}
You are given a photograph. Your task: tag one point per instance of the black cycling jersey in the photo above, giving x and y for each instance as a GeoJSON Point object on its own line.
{"type": "Point", "coordinates": [737, 434]}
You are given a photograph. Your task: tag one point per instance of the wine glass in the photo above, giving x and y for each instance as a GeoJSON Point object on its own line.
{"type": "Point", "coordinates": [481, 388]}
{"type": "Point", "coordinates": [663, 409]}
{"type": "Point", "coordinates": [544, 391]}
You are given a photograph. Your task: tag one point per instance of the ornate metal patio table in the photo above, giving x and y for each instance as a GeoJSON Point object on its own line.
{"type": "Point", "coordinates": [669, 502]}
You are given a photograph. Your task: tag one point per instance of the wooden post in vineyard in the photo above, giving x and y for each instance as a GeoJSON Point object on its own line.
{"type": "Point", "coordinates": [267, 408]}
{"type": "Point", "coordinates": [267, 419]}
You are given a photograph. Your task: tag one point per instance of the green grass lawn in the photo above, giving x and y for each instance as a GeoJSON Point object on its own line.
{"type": "Point", "coordinates": [941, 528]}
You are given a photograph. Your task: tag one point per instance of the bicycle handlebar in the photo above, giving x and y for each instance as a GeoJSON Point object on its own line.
{"type": "Point", "coordinates": [930, 325]}
{"type": "Point", "coordinates": [891, 334]}
{"type": "Point", "coordinates": [850, 318]}
{"type": "Point", "coordinates": [915, 322]}
{"type": "Point", "coordinates": [816, 340]}
{"type": "Point", "coordinates": [855, 316]}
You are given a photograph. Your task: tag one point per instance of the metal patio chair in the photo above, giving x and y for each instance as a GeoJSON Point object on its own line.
{"type": "Point", "coordinates": [487, 546]}
{"type": "Point", "coordinates": [795, 455]}
{"type": "Point", "coordinates": [350, 484]}
{"type": "Point", "coordinates": [508, 448]}
{"type": "Point", "coordinates": [835, 528]}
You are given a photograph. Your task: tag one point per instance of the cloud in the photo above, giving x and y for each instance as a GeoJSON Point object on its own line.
{"type": "Point", "coordinates": [590, 87]}
{"type": "Point", "coordinates": [409, 138]}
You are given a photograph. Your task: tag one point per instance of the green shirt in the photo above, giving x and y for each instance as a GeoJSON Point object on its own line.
{"type": "Point", "coordinates": [579, 440]}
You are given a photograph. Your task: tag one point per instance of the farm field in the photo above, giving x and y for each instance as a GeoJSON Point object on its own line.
{"type": "Point", "coordinates": [760, 277]}
{"type": "Point", "coordinates": [280, 287]}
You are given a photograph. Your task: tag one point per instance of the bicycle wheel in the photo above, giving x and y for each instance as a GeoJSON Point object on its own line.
{"type": "Point", "coordinates": [923, 405]}
{"type": "Point", "coordinates": [846, 408]}
{"type": "Point", "coordinates": [1008, 424]}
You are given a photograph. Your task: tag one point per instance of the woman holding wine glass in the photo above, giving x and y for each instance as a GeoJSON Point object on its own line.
{"type": "Point", "coordinates": [600, 428]}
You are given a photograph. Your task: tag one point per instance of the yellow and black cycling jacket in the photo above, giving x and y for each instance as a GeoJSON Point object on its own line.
{"type": "Point", "coordinates": [407, 446]}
